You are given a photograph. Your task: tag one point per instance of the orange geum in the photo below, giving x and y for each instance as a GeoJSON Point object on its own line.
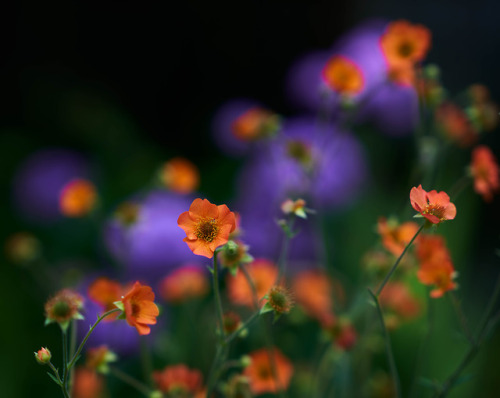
{"type": "Point", "coordinates": [139, 308]}
{"type": "Point", "coordinates": [184, 284]}
{"type": "Point", "coordinates": [440, 274]}
{"type": "Point", "coordinates": [105, 292]}
{"type": "Point", "coordinates": [179, 381]}
{"type": "Point", "coordinates": [262, 273]}
{"type": "Point", "coordinates": [87, 383]}
{"type": "Point", "coordinates": [255, 123]}
{"type": "Point", "coordinates": [312, 290]}
{"type": "Point", "coordinates": [485, 171]}
{"type": "Point", "coordinates": [207, 226]}
{"type": "Point", "coordinates": [404, 44]}
{"type": "Point", "coordinates": [263, 376]}
{"type": "Point", "coordinates": [98, 359]}
{"type": "Point", "coordinates": [398, 300]}
{"type": "Point", "coordinates": [63, 307]}
{"type": "Point", "coordinates": [432, 249]}
{"type": "Point", "coordinates": [395, 237]}
{"type": "Point", "coordinates": [77, 198]}
{"type": "Point", "coordinates": [180, 175]}
{"type": "Point", "coordinates": [453, 123]}
{"type": "Point", "coordinates": [434, 206]}
{"type": "Point", "coordinates": [343, 75]}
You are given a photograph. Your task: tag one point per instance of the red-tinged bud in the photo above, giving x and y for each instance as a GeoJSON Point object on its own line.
{"type": "Point", "coordinates": [43, 356]}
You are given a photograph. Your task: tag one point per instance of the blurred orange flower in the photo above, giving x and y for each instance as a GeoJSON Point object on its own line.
{"type": "Point", "coordinates": [179, 380]}
{"type": "Point", "coordinates": [207, 226]}
{"type": "Point", "coordinates": [184, 284]}
{"type": "Point", "coordinates": [434, 206]}
{"type": "Point", "coordinates": [396, 237]}
{"type": "Point", "coordinates": [63, 307]}
{"type": "Point", "coordinates": [404, 43]}
{"type": "Point", "coordinates": [105, 292]}
{"type": "Point", "coordinates": [312, 289]}
{"type": "Point", "coordinates": [343, 75]}
{"type": "Point", "coordinates": [397, 298]}
{"type": "Point", "coordinates": [261, 374]}
{"type": "Point", "coordinates": [140, 309]}
{"type": "Point", "coordinates": [263, 274]}
{"type": "Point", "coordinates": [180, 175]}
{"type": "Point", "coordinates": [484, 169]}
{"type": "Point", "coordinates": [455, 125]}
{"type": "Point", "coordinates": [439, 274]}
{"type": "Point", "coordinates": [87, 383]}
{"type": "Point", "coordinates": [77, 198]}
{"type": "Point", "coordinates": [255, 123]}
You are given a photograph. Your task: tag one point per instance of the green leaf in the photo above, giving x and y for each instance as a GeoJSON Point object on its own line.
{"type": "Point", "coordinates": [266, 308]}
{"type": "Point", "coordinates": [54, 378]}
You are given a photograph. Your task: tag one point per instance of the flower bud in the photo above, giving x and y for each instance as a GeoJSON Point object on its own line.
{"type": "Point", "coordinates": [43, 356]}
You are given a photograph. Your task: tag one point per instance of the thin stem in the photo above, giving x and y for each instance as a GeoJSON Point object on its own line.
{"type": "Point", "coordinates": [72, 348]}
{"type": "Point", "coordinates": [131, 381]}
{"type": "Point", "coordinates": [388, 348]}
{"type": "Point", "coordinates": [283, 254]}
{"type": "Point", "coordinates": [80, 347]}
{"type": "Point", "coordinates": [461, 316]}
{"type": "Point", "coordinates": [65, 361]}
{"type": "Point", "coordinates": [391, 271]}
{"type": "Point", "coordinates": [59, 381]}
{"type": "Point", "coordinates": [218, 302]}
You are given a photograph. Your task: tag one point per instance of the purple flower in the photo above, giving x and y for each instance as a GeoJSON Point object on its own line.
{"type": "Point", "coordinates": [40, 179]}
{"type": "Point", "coordinates": [144, 235]}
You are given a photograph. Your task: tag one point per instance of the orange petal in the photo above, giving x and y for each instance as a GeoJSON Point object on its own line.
{"type": "Point", "coordinates": [202, 208]}
{"type": "Point", "coordinates": [187, 224]}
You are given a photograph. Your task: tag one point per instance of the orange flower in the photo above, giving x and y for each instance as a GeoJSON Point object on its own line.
{"type": "Point", "coordinates": [397, 298]}
{"type": "Point", "coordinates": [432, 249]}
{"type": "Point", "coordinates": [439, 274]}
{"type": "Point", "coordinates": [434, 206]}
{"type": "Point", "coordinates": [263, 274]}
{"type": "Point", "coordinates": [78, 198]}
{"type": "Point", "coordinates": [139, 308]}
{"type": "Point", "coordinates": [260, 372]}
{"type": "Point", "coordinates": [184, 284]}
{"type": "Point", "coordinates": [98, 359]}
{"type": "Point", "coordinates": [396, 237]}
{"type": "Point", "coordinates": [312, 289]}
{"type": "Point", "coordinates": [87, 384]}
{"type": "Point", "coordinates": [180, 175]}
{"type": "Point", "coordinates": [63, 307]}
{"type": "Point", "coordinates": [255, 123]}
{"type": "Point", "coordinates": [105, 292]}
{"type": "Point", "coordinates": [207, 226]}
{"type": "Point", "coordinates": [341, 331]}
{"type": "Point", "coordinates": [343, 75]}
{"type": "Point", "coordinates": [454, 124]}
{"type": "Point", "coordinates": [179, 380]}
{"type": "Point", "coordinates": [404, 75]}
{"type": "Point", "coordinates": [404, 44]}
{"type": "Point", "coordinates": [484, 169]}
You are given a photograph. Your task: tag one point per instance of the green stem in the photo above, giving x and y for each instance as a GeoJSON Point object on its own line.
{"type": "Point", "coordinates": [131, 381]}
{"type": "Point", "coordinates": [391, 271]}
{"type": "Point", "coordinates": [72, 348]}
{"type": "Point", "coordinates": [388, 348]}
{"type": "Point", "coordinates": [65, 361]}
{"type": "Point", "coordinates": [461, 316]}
{"type": "Point", "coordinates": [247, 323]}
{"type": "Point", "coordinates": [146, 362]}
{"type": "Point", "coordinates": [59, 381]}
{"type": "Point", "coordinates": [283, 254]}
{"type": "Point", "coordinates": [80, 347]}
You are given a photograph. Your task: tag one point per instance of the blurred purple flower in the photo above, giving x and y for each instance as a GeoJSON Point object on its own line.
{"type": "Point", "coordinates": [150, 245]}
{"type": "Point", "coordinates": [40, 179]}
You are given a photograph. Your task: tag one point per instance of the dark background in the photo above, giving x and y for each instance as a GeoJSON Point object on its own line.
{"type": "Point", "coordinates": [135, 82]}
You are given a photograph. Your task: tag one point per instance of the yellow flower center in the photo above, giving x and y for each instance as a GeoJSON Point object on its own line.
{"type": "Point", "coordinates": [435, 210]}
{"type": "Point", "coordinates": [207, 229]}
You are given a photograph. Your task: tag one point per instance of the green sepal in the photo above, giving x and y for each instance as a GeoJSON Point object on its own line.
{"type": "Point", "coordinates": [54, 378]}
{"type": "Point", "coordinates": [266, 308]}
{"type": "Point", "coordinates": [48, 321]}
{"type": "Point", "coordinates": [247, 258]}
{"type": "Point", "coordinates": [233, 271]}
{"type": "Point", "coordinates": [119, 305]}
{"type": "Point", "coordinates": [210, 269]}
{"type": "Point", "coordinates": [301, 213]}
{"type": "Point", "coordinates": [64, 326]}
{"type": "Point", "coordinates": [418, 215]}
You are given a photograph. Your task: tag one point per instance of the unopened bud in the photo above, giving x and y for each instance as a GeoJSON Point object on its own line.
{"type": "Point", "coordinates": [43, 356]}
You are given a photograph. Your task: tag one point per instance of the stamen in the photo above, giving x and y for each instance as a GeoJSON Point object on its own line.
{"type": "Point", "coordinates": [207, 229]}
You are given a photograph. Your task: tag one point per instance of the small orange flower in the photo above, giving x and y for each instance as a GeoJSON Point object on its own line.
{"type": "Point", "coordinates": [455, 125]}
{"type": "Point", "coordinates": [405, 44]}
{"type": "Point", "coordinates": [280, 300]}
{"type": "Point", "coordinates": [180, 175]}
{"type": "Point", "coordinates": [432, 249]}
{"type": "Point", "coordinates": [87, 383]}
{"type": "Point", "coordinates": [98, 359]}
{"type": "Point", "coordinates": [397, 298]}
{"type": "Point", "coordinates": [439, 274]}
{"type": "Point", "coordinates": [105, 292]}
{"type": "Point", "coordinates": [342, 331]}
{"type": "Point", "coordinates": [255, 123]}
{"type": "Point", "coordinates": [260, 371]}
{"type": "Point", "coordinates": [179, 380]}
{"type": "Point", "coordinates": [434, 206]}
{"type": "Point", "coordinates": [396, 237]}
{"type": "Point", "coordinates": [139, 308]}
{"type": "Point", "coordinates": [207, 226]}
{"type": "Point", "coordinates": [78, 198]}
{"type": "Point", "coordinates": [313, 290]}
{"type": "Point", "coordinates": [343, 75]}
{"type": "Point", "coordinates": [184, 284]}
{"type": "Point", "coordinates": [484, 169]}
{"type": "Point", "coordinates": [263, 274]}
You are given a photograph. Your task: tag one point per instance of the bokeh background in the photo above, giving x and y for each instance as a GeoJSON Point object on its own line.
{"type": "Point", "coordinates": [132, 84]}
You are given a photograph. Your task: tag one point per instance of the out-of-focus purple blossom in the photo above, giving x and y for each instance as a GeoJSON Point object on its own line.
{"type": "Point", "coordinates": [40, 179]}
{"type": "Point", "coordinates": [149, 242]}
{"type": "Point", "coordinates": [309, 160]}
